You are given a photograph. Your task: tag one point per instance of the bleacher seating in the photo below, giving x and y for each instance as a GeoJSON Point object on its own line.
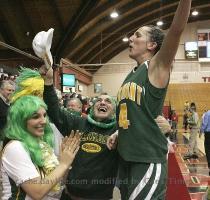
{"type": "Point", "coordinates": [199, 93]}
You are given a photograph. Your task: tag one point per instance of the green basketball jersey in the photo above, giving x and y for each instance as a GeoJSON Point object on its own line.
{"type": "Point", "coordinates": [139, 103]}
{"type": "Point", "coordinates": [17, 192]}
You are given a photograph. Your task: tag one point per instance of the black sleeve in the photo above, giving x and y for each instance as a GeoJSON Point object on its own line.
{"type": "Point", "coordinates": [3, 114]}
{"type": "Point", "coordinates": [63, 120]}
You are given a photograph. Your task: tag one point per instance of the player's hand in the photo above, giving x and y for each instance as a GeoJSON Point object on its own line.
{"type": "Point", "coordinates": [163, 124]}
{"type": "Point", "coordinates": [171, 146]}
{"type": "Point", "coordinates": [112, 141]}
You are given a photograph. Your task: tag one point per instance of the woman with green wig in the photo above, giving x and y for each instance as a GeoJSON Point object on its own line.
{"type": "Point", "coordinates": [29, 82]}
{"type": "Point", "coordinates": [30, 169]}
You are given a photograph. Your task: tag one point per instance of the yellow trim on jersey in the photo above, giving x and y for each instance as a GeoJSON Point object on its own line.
{"type": "Point", "coordinates": [130, 91]}
{"type": "Point", "coordinates": [123, 116]}
{"type": "Point", "coordinates": [18, 194]}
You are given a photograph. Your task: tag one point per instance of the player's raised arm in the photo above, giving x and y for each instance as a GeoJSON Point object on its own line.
{"type": "Point", "coordinates": [167, 52]}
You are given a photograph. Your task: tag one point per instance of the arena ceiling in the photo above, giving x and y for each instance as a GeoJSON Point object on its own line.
{"type": "Point", "coordinates": [84, 31]}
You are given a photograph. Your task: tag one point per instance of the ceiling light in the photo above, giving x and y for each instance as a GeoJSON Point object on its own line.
{"type": "Point", "coordinates": [195, 13]}
{"type": "Point", "coordinates": [159, 23]}
{"type": "Point", "coordinates": [114, 14]}
{"type": "Point", "coordinates": [125, 39]}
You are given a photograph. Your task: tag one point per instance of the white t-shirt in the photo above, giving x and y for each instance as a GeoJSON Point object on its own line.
{"type": "Point", "coordinates": [57, 139]}
{"type": "Point", "coordinates": [17, 164]}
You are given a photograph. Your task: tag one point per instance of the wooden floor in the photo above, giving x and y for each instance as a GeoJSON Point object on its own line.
{"type": "Point", "coordinates": [195, 171]}
{"type": "Point", "coordinates": [199, 93]}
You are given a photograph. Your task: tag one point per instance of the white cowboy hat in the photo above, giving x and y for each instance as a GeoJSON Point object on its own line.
{"type": "Point", "coordinates": [41, 45]}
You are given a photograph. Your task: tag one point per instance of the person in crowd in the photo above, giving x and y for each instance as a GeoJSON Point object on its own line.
{"type": "Point", "coordinates": [74, 105]}
{"type": "Point", "coordinates": [187, 105]}
{"type": "Point", "coordinates": [30, 169]}
{"type": "Point", "coordinates": [85, 105]}
{"type": "Point", "coordinates": [204, 112]}
{"type": "Point", "coordinates": [7, 87]}
{"type": "Point", "coordinates": [193, 122]}
{"type": "Point", "coordinates": [29, 82]}
{"type": "Point", "coordinates": [174, 121]}
{"type": "Point", "coordinates": [141, 145]}
{"type": "Point", "coordinates": [185, 120]}
{"type": "Point", "coordinates": [205, 128]}
{"type": "Point", "coordinates": [95, 167]}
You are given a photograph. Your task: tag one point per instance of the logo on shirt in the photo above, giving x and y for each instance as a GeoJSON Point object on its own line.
{"type": "Point", "coordinates": [91, 147]}
{"type": "Point", "coordinates": [94, 137]}
{"type": "Point", "coordinates": [130, 91]}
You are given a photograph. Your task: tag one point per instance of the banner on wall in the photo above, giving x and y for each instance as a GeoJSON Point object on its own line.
{"type": "Point", "coordinates": [97, 88]}
{"type": "Point", "coordinates": [203, 36]}
{"type": "Point", "coordinates": [191, 50]}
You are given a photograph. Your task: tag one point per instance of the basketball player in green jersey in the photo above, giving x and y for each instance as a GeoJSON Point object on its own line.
{"type": "Point", "coordinates": [141, 145]}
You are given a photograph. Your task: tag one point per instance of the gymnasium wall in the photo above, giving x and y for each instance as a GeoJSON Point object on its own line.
{"type": "Point", "coordinates": [111, 75]}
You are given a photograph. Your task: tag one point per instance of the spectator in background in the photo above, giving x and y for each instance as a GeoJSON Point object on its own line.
{"type": "Point", "coordinates": [185, 120]}
{"type": "Point", "coordinates": [7, 87]}
{"type": "Point", "coordinates": [174, 122]}
{"type": "Point", "coordinates": [74, 106]}
{"type": "Point", "coordinates": [85, 105]}
{"type": "Point", "coordinates": [203, 115]}
{"type": "Point", "coordinates": [79, 96]}
{"type": "Point", "coordinates": [205, 128]}
{"type": "Point", "coordinates": [72, 95]}
{"type": "Point", "coordinates": [1, 77]}
{"type": "Point", "coordinates": [193, 122]}
{"type": "Point", "coordinates": [186, 105]}
{"type": "Point", "coordinates": [65, 98]}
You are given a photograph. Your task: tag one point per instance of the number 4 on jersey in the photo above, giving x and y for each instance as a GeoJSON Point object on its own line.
{"type": "Point", "coordinates": [123, 117]}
